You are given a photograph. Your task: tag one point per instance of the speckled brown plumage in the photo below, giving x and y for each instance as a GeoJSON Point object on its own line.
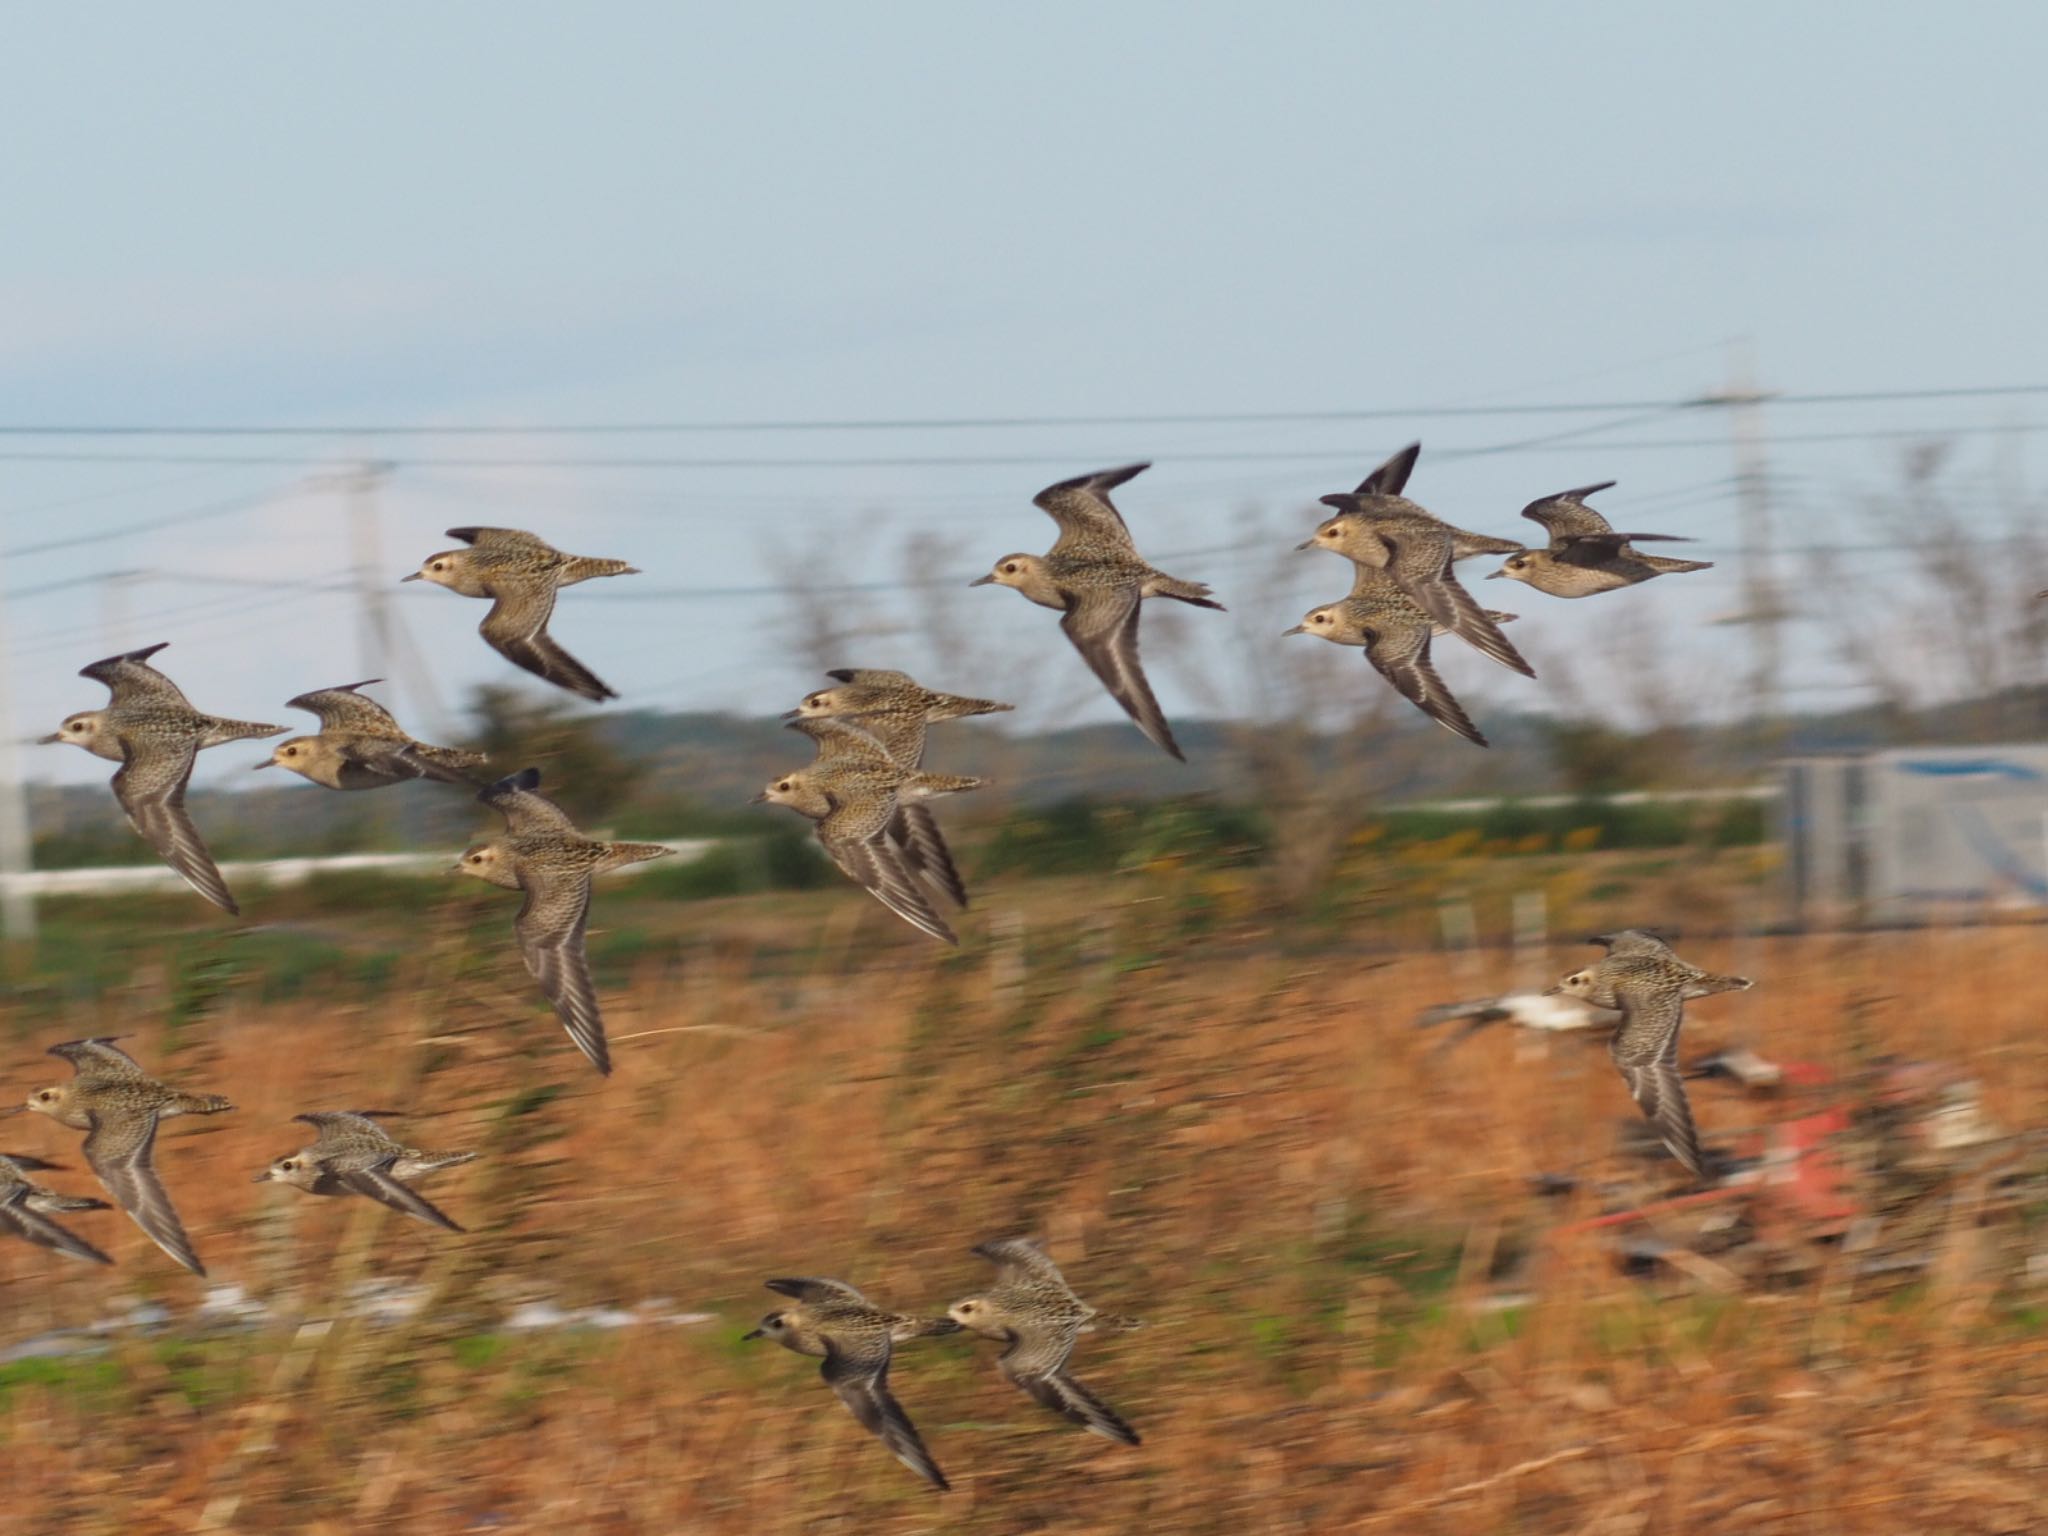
{"type": "Point", "coordinates": [1395, 632]}
{"type": "Point", "coordinates": [360, 746]}
{"type": "Point", "coordinates": [1645, 980]}
{"type": "Point", "coordinates": [1585, 555]}
{"type": "Point", "coordinates": [544, 856]}
{"type": "Point", "coordinates": [1035, 1312]}
{"type": "Point", "coordinates": [150, 729]}
{"type": "Point", "coordinates": [1095, 577]}
{"type": "Point", "coordinates": [27, 1206]}
{"type": "Point", "coordinates": [896, 710]}
{"type": "Point", "coordinates": [832, 1321]}
{"type": "Point", "coordinates": [1377, 528]}
{"type": "Point", "coordinates": [354, 1155]}
{"type": "Point", "coordinates": [119, 1106]}
{"type": "Point", "coordinates": [852, 792]}
{"type": "Point", "coordinates": [521, 573]}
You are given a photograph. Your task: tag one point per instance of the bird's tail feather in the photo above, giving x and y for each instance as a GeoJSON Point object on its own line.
{"type": "Point", "coordinates": [922, 784]}
{"type": "Point", "coordinates": [950, 706]}
{"type": "Point", "coordinates": [1707, 984]}
{"type": "Point", "coordinates": [219, 731]}
{"type": "Point", "coordinates": [618, 855]}
{"type": "Point", "coordinates": [1194, 592]}
{"type": "Point", "coordinates": [200, 1104]}
{"type": "Point", "coordinates": [584, 568]}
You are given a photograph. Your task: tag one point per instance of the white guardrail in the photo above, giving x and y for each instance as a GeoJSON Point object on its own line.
{"type": "Point", "coordinates": [112, 879]}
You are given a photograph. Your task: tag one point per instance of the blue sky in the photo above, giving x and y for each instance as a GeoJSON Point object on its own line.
{"type": "Point", "coordinates": [530, 215]}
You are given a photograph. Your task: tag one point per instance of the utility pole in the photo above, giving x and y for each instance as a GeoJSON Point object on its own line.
{"type": "Point", "coordinates": [373, 582]}
{"type": "Point", "coordinates": [1763, 608]}
{"type": "Point", "coordinates": [17, 901]}
{"type": "Point", "coordinates": [114, 593]}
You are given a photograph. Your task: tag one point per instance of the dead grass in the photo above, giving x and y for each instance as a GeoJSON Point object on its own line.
{"type": "Point", "coordinates": [1256, 1153]}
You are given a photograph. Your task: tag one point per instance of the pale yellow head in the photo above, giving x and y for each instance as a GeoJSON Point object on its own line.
{"type": "Point", "coordinates": [301, 754]}
{"type": "Point", "coordinates": [980, 1315]}
{"type": "Point", "coordinates": [1027, 574]}
{"type": "Point", "coordinates": [1520, 567]}
{"type": "Point", "coordinates": [298, 1170]}
{"type": "Point", "coordinates": [489, 861]}
{"type": "Point", "coordinates": [53, 1101]}
{"type": "Point", "coordinates": [1579, 983]}
{"type": "Point", "coordinates": [454, 569]}
{"type": "Point", "coordinates": [87, 730]}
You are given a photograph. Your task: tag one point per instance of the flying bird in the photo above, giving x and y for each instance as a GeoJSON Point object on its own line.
{"type": "Point", "coordinates": [119, 1106]}
{"type": "Point", "coordinates": [543, 855]}
{"type": "Point", "coordinates": [1095, 577]}
{"type": "Point", "coordinates": [896, 710]}
{"type": "Point", "coordinates": [1395, 632]}
{"type": "Point", "coordinates": [26, 1208]}
{"type": "Point", "coordinates": [834, 1322]}
{"type": "Point", "coordinates": [360, 745]}
{"type": "Point", "coordinates": [150, 729]}
{"type": "Point", "coordinates": [1585, 555]}
{"type": "Point", "coordinates": [521, 573]}
{"type": "Point", "coordinates": [852, 792]}
{"type": "Point", "coordinates": [1644, 979]}
{"type": "Point", "coordinates": [1036, 1314]}
{"type": "Point", "coordinates": [1377, 528]}
{"type": "Point", "coordinates": [354, 1155]}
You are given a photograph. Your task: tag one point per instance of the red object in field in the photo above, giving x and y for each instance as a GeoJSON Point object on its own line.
{"type": "Point", "coordinates": [1804, 1180]}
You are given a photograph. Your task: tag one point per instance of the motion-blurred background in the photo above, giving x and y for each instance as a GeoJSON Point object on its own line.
{"type": "Point", "coordinates": [796, 309]}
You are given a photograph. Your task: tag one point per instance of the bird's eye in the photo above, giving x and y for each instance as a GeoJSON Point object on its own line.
{"type": "Point", "coordinates": [782, 788]}
{"type": "Point", "coordinates": [1010, 569]}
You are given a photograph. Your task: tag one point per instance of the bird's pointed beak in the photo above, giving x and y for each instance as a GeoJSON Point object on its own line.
{"type": "Point", "coordinates": [983, 581]}
{"type": "Point", "coordinates": [792, 714]}
{"type": "Point", "coordinates": [268, 762]}
{"type": "Point", "coordinates": [752, 1333]}
{"type": "Point", "coordinates": [261, 1178]}
{"type": "Point", "coordinates": [1553, 991]}
{"type": "Point", "coordinates": [18, 1109]}
{"type": "Point", "coordinates": [1294, 631]}
{"type": "Point", "coordinates": [50, 740]}
{"type": "Point", "coordinates": [415, 576]}
{"type": "Point", "coordinates": [760, 799]}
{"type": "Point", "coordinates": [453, 869]}
{"type": "Point", "coordinates": [1305, 544]}
{"type": "Point", "coordinates": [1496, 575]}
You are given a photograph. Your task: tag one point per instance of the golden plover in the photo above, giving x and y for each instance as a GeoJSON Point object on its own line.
{"type": "Point", "coordinates": [1649, 985]}
{"type": "Point", "coordinates": [154, 734]}
{"type": "Point", "coordinates": [26, 1208]}
{"type": "Point", "coordinates": [852, 792]}
{"type": "Point", "coordinates": [353, 1155]}
{"type": "Point", "coordinates": [1387, 482]}
{"type": "Point", "coordinates": [834, 1322]}
{"type": "Point", "coordinates": [360, 746]}
{"type": "Point", "coordinates": [521, 574]}
{"type": "Point", "coordinates": [543, 855]}
{"type": "Point", "coordinates": [1585, 555]}
{"type": "Point", "coordinates": [896, 710]}
{"type": "Point", "coordinates": [119, 1106]}
{"type": "Point", "coordinates": [1395, 632]}
{"type": "Point", "coordinates": [1095, 577]}
{"type": "Point", "coordinates": [1033, 1310]}
{"type": "Point", "coordinates": [1375, 527]}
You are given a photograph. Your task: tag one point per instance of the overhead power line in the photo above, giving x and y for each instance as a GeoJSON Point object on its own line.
{"type": "Point", "coordinates": [1060, 457]}
{"type": "Point", "coordinates": [147, 524]}
{"type": "Point", "coordinates": [1001, 423]}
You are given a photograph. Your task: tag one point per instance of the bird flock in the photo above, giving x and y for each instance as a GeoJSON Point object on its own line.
{"type": "Point", "coordinates": [866, 791]}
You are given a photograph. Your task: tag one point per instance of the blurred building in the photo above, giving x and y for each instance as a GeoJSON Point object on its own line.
{"type": "Point", "coordinates": [1913, 834]}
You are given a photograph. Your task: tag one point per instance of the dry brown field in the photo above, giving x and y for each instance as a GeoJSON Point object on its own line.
{"type": "Point", "coordinates": [1359, 1316]}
